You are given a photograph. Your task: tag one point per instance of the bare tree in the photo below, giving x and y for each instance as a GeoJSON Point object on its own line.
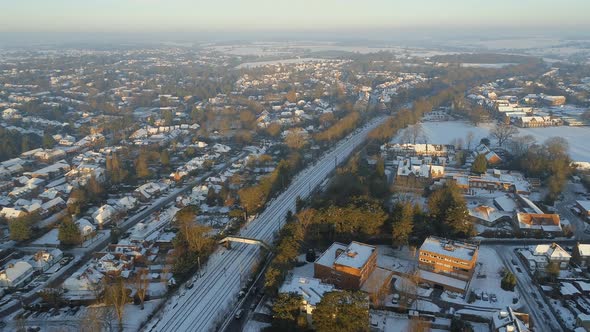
{"type": "Point", "coordinates": [469, 139]}
{"type": "Point", "coordinates": [520, 144]}
{"type": "Point", "coordinates": [503, 132]}
{"type": "Point", "coordinates": [306, 217]}
{"type": "Point", "coordinates": [296, 139]}
{"type": "Point", "coordinates": [142, 283]}
{"type": "Point", "coordinates": [117, 295]}
{"type": "Point", "coordinates": [416, 131]}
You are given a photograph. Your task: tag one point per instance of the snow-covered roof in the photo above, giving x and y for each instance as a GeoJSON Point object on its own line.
{"type": "Point", "coordinates": [584, 204]}
{"type": "Point", "coordinates": [329, 256]}
{"type": "Point", "coordinates": [584, 249]}
{"type": "Point", "coordinates": [355, 255]}
{"type": "Point", "coordinates": [311, 289]}
{"type": "Point", "coordinates": [440, 279]}
{"type": "Point", "coordinates": [450, 248]}
{"type": "Point", "coordinates": [552, 251]}
{"type": "Point", "coordinates": [16, 271]}
{"type": "Point", "coordinates": [568, 288]}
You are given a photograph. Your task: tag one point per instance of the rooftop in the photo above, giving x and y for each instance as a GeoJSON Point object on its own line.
{"type": "Point", "coordinates": [457, 249]}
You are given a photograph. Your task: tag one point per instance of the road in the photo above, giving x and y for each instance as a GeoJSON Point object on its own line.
{"type": "Point", "coordinates": [206, 306]}
{"type": "Point", "coordinates": [534, 301]}
{"type": "Point", "coordinates": [563, 209]}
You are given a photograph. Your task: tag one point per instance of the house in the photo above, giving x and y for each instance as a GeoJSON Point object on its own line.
{"type": "Point", "coordinates": [16, 275]}
{"type": "Point", "coordinates": [311, 290]}
{"type": "Point", "coordinates": [581, 255]}
{"type": "Point", "coordinates": [86, 228]}
{"type": "Point", "coordinates": [510, 321]}
{"type": "Point", "coordinates": [12, 213]}
{"type": "Point", "coordinates": [85, 285]}
{"type": "Point", "coordinates": [552, 100]}
{"type": "Point", "coordinates": [346, 267]}
{"type": "Point", "coordinates": [43, 260]}
{"type": "Point", "coordinates": [487, 215]}
{"type": "Point", "coordinates": [537, 121]}
{"type": "Point", "coordinates": [418, 173]}
{"type": "Point", "coordinates": [447, 264]}
{"type": "Point", "coordinates": [538, 224]}
{"type": "Point", "coordinates": [104, 215]}
{"type": "Point", "coordinates": [491, 156]}
{"type": "Point", "coordinates": [543, 254]}
{"type": "Point", "coordinates": [583, 208]}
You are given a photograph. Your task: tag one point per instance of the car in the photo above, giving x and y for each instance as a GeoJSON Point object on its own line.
{"type": "Point", "coordinates": [238, 314]}
{"type": "Point", "coordinates": [241, 294]}
{"type": "Point", "coordinates": [252, 306]}
{"type": "Point", "coordinates": [519, 270]}
{"type": "Point", "coordinates": [190, 283]}
{"type": "Point", "coordinates": [493, 298]}
{"type": "Point", "coordinates": [484, 296]}
{"type": "Point", "coordinates": [513, 262]}
{"type": "Point", "coordinates": [539, 304]}
{"type": "Point", "coordinates": [395, 299]}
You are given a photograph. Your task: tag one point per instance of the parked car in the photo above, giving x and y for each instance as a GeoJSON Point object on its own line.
{"type": "Point", "coordinates": [239, 314]}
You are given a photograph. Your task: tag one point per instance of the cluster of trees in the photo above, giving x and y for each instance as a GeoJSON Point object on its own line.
{"type": "Point", "coordinates": [21, 228]}
{"type": "Point", "coordinates": [287, 250]}
{"type": "Point", "coordinates": [360, 219]}
{"type": "Point", "coordinates": [192, 243]}
{"type": "Point", "coordinates": [93, 193]}
{"type": "Point", "coordinates": [339, 129]}
{"type": "Point", "coordinates": [253, 198]}
{"type": "Point", "coordinates": [69, 234]}
{"type": "Point", "coordinates": [448, 212]}
{"type": "Point", "coordinates": [406, 117]}
{"type": "Point", "coordinates": [337, 311]}
{"type": "Point", "coordinates": [19, 143]}
{"type": "Point", "coordinates": [549, 161]}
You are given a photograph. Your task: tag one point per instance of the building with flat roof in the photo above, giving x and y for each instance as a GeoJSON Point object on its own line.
{"type": "Point", "coordinates": [346, 267]}
{"type": "Point", "coordinates": [447, 263]}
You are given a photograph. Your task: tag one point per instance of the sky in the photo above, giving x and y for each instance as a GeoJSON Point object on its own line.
{"type": "Point", "coordinates": [112, 16]}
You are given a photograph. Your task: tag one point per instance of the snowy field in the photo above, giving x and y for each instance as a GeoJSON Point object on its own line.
{"type": "Point", "coordinates": [448, 132]}
{"type": "Point", "coordinates": [249, 65]}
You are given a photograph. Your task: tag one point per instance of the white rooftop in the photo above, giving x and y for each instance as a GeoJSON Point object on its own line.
{"type": "Point", "coordinates": [457, 249]}
{"type": "Point", "coordinates": [355, 255]}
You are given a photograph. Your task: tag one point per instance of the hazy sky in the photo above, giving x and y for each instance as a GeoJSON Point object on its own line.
{"type": "Point", "coordinates": [224, 15]}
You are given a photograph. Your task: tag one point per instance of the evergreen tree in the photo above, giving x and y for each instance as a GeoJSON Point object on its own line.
{"type": "Point", "coordinates": [342, 311]}
{"type": "Point", "coordinates": [69, 233]}
{"type": "Point", "coordinates": [480, 165]}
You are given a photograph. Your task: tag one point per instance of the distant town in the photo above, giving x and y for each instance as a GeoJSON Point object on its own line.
{"type": "Point", "coordinates": [293, 187]}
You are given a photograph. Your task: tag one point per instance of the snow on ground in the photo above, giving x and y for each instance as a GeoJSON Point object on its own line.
{"type": "Point", "coordinates": [305, 270]}
{"type": "Point", "coordinates": [254, 326]}
{"type": "Point", "coordinates": [565, 314]}
{"type": "Point", "coordinates": [250, 65]}
{"type": "Point", "coordinates": [157, 289]}
{"type": "Point", "coordinates": [49, 238]}
{"type": "Point", "coordinates": [134, 316]}
{"type": "Point", "coordinates": [576, 136]}
{"type": "Point", "coordinates": [487, 279]}
{"type": "Point", "coordinates": [446, 132]}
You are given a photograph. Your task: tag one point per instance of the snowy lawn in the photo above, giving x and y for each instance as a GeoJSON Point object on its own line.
{"type": "Point", "coordinates": [447, 132]}
{"type": "Point", "coordinates": [254, 326]}
{"type": "Point", "coordinates": [49, 238]}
